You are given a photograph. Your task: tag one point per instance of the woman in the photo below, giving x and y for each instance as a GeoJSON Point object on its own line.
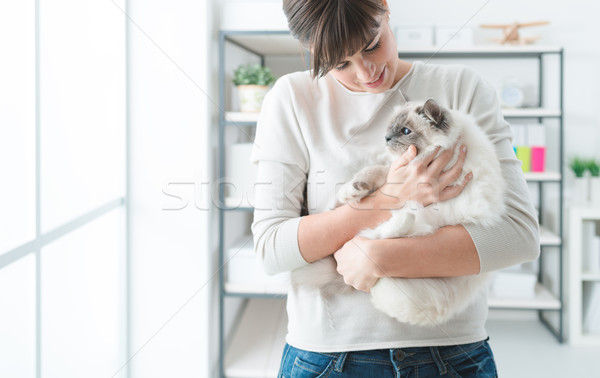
{"type": "Point", "coordinates": [314, 130]}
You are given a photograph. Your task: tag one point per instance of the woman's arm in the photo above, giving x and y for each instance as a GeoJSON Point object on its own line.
{"type": "Point", "coordinates": [284, 241]}
{"type": "Point", "coordinates": [448, 252]}
{"type": "Point", "coordinates": [320, 235]}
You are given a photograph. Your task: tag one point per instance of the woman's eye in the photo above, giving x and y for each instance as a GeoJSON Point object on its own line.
{"type": "Point", "coordinates": [341, 66]}
{"type": "Point", "coordinates": [372, 49]}
{"type": "Point", "coordinates": [405, 130]}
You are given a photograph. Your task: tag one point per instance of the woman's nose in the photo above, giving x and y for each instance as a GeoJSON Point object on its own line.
{"type": "Point", "coordinates": [366, 71]}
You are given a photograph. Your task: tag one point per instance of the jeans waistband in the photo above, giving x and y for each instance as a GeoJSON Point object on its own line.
{"type": "Point", "coordinates": [405, 356]}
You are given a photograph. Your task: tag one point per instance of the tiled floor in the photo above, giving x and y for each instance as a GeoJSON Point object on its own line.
{"type": "Point", "coordinates": [526, 349]}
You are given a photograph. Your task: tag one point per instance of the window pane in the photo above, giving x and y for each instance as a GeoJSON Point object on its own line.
{"type": "Point", "coordinates": [17, 325]}
{"type": "Point", "coordinates": [82, 292]}
{"type": "Point", "coordinates": [82, 107]}
{"type": "Point", "coordinates": [17, 123]}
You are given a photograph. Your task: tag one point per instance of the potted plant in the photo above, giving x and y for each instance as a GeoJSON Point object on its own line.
{"type": "Point", "coordinates": [252, 81]}
{"type": "Point", "coordinates": [594, 168]}
{"type": "Point", "coordinates": [579, 166]}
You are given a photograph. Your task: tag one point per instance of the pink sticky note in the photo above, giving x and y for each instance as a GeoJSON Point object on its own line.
{"type": "Point", "coordinates": [538, 158]}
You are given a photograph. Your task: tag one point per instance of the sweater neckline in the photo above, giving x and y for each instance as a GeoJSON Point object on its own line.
{"type": "Point", "coordinates": [395, 88]}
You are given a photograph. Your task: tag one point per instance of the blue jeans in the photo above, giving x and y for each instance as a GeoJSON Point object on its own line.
{"type": "Point", "coordinates": [467, 360]}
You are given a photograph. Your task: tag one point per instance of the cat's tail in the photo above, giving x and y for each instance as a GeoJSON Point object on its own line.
{"type": "Point", "coordinates": [426, 301]}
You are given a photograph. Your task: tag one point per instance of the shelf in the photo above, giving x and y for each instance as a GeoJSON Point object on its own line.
{"type": "Point", "coordinates": [256, 289]}
{"type": "Point", "coordinates": [257, 345]}
{"type": "Point", "coordinates": [483, 51]}
{"type": "Point", "coordinates": [238, 203]}
{"type": "Point", "coordinates": [549, 238]}
{"type": "Point", "coordinates": [543, 300]}
{"type": "Point", "coordinates": [249, 119]}
{"type": "Point", "coordinates": [542, 176]}
{"type": "Point", "coordinates": [241, 119]}
{"type": "Point", "coordinates": [531, 113]}
{"type": "Point", "coordinates": [274, 42]}
{"type": "Point", "coordinates": [588, 339]}
{"type": "Point", "coordinates": [280, 42]}
{"type": "Point", "coordinates": [587, 276]}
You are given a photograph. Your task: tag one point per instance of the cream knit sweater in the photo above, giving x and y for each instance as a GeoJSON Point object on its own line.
{"type": "Point", "coordinates": [314, 135]}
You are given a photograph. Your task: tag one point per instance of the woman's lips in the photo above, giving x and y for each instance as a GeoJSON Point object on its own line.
{"type": "Point", "coordinates": [377, 82]}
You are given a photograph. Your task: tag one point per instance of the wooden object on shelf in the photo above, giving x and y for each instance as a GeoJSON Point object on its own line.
{"type": "Point", "coordinates": [511, 32]}
{"type": "Point", "coordinates": [578, 276]}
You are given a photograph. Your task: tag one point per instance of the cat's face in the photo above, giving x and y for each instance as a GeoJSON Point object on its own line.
{"type": "Point", "coordinates": [417, 124]}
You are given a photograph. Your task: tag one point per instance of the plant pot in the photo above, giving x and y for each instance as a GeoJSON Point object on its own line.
{"type": "Point", "coordinates": [581, 190]}
{"type": "Point", "coordinates": [595, 190]}
{"type": "Point", "coordinates": [251, 97]}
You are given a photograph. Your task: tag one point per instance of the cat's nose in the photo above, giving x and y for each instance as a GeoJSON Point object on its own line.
{"type": "Point", "coordinates": [388, 138]}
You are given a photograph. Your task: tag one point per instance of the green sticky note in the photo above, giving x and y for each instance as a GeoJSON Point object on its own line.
{"type": "Point", "coordinates": [524, 154]}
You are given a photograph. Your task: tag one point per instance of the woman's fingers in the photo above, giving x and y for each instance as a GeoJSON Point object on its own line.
{"type": "Point", "coordinates": [405, 158]}
{"type": "Point", "coordinates": [453, 174]}
{"type": "Point", "coordinates": [440, 162]}
{"type": "Point", "coordinates": [429, 158]}
{"type": "Point", "coordinates": [454, 190]}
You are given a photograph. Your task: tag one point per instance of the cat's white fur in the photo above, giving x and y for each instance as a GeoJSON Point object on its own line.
{"type": "Point", "coordinates": [425, 301]}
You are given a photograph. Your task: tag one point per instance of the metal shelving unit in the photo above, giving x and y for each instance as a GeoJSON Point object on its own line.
{"type": "Point", "coordinates": [545, 300]}
{"type": "Point", "coordinates": [255, 347]}
{"type": "Point", "coordinates": [264, 315]}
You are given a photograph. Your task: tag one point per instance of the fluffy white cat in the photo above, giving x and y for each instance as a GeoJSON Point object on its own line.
{"type": "Point", "coordinates": [424, 301]}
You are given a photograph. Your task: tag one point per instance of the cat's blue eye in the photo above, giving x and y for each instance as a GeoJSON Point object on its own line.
{"type": "Point", "coordinates": [405, 130]}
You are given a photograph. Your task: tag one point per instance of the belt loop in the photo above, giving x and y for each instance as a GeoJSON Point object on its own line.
{"type": "Point", "coordinates": [435, 353]}
{"type": "Point", "coordinates": [339, 364]}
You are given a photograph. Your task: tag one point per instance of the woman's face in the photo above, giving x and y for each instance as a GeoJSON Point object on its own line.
{"type": "Point", "coordinates": [375, 68]}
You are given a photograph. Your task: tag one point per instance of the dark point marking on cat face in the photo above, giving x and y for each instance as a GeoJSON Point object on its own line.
{"type": "Point", "coordinates": [417, 124]}
{"type": "Point", "coordinates": [435, 114]}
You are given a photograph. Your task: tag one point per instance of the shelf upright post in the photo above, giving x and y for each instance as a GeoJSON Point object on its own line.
{"type": "Point", "coordinates": [221, 201]}
{"type": "Point", "coordinates": [560, 191]}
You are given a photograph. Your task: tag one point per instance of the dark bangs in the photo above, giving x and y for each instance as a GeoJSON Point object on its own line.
{"type": "Point", "coordinates": [333, 29]}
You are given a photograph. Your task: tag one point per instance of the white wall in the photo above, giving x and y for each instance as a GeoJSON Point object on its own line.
{"type": "Point", "coordinates": [173, 298]}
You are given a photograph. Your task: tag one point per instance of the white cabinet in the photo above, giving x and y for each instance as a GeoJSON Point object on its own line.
{"type": "Point", "coordinates": [584, 279]}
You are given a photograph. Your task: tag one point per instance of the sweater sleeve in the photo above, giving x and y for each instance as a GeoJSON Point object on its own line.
{"type": "Point", "coordinates": [282, 159]}
{"type": "Point", "coordinates": [516, 239]}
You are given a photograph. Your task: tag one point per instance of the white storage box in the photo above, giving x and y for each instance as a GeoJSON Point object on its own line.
{"type": "Point", "coordinates": [514, 284]}
{"type": "Point", "coordinates": [245, 274]}
{"type": "Point", "coordinates": [240, 175]}
{"type": "Point", "coordinates": [453, 36]}
{"type": "Point", "coordinates": [414, 36]}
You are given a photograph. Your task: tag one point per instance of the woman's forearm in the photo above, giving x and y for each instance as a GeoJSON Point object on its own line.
{"type": "Point", "coordinates": [450, 251]}
{"type": "Point", "coordinates": [320, 235]}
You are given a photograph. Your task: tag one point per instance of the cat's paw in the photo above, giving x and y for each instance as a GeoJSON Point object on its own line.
{"type": "Point", "coordinates": [354, 191]}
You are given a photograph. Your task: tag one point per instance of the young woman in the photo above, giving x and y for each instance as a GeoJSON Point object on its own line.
{"type": "Point", "coordinates": [314, 128]}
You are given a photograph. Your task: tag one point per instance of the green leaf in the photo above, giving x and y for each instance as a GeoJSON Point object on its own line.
{"type": "Point", "coordinates": [578, 166]}
{"type": "Point", "coordinates": [253, 74]}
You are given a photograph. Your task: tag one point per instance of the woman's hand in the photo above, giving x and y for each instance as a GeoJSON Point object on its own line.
{"type": "Point", "coordinates": [424, 181]}
{"type": "Point", "coordinates": [356, 265]}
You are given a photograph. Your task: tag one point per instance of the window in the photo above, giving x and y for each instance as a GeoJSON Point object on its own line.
{"type": "Point", "coordinates": [63, 164]}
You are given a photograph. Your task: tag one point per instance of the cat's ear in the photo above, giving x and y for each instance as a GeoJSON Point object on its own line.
{"type": "Point", "coordinates": [433, 112]}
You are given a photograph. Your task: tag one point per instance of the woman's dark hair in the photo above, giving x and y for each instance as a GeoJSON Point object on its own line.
{"type": "Point", "coordinates": [333, 29]}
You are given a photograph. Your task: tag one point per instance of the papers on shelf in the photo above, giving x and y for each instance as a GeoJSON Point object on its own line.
{"type": "Point", "coordinates": [514, 284]}
{"type": "Point", "coordinates": [244, 268]}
